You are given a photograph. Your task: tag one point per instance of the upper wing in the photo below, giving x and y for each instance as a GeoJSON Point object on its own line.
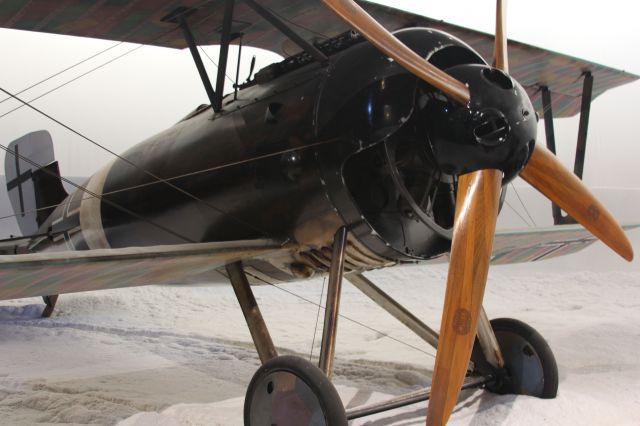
{"type": "Point", "coordinates": [142, 22]}
{"type": "Point", "coordinates": [44, 274]}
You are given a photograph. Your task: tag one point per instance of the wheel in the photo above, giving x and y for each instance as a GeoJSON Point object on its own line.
{"type": "Point", "coordinates": [290, 391]}
{"type": "Point", "coordinates": [530, 367]}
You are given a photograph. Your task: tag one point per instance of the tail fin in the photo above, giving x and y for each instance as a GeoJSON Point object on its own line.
{"type": "Point", "coordinates": [34, 186]}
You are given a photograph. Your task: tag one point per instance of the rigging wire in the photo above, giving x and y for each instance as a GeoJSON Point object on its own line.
{"type": "Point", "coordinates": [523, 205]}
{"type": "Point", "coordinates": [342, 316]}
{"type": "Point", "coordinates": [242, 222]}
{"type": "Point", "coordinates": [188, 194]}
{"type": "Point", "coordinates": [215, 64]}
{"type": "Point", "coordinates": [93, 194]}
{"type": "Point", "coordinates": [64, 70]}
{"type": "Point", "coordinates": [70, 81]}
{"type": "Point", "coordinates": [517, 213]}
{"type": "Point", "coordinates": [315, 328]}
{"type": "Point", "coordinates": [210, 169]}
{"type": "Point", "coordinates": [142, 169]}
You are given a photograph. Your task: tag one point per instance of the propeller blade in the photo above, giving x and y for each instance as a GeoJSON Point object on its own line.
{"type": "Point", "coordinates": [500, 47]}
{"type": "Point", "coordinates": [474, 228]}
{"type": "Point", "coordinates": [545, 173]}
{"type": "Point", "coordinates": [359, 19]}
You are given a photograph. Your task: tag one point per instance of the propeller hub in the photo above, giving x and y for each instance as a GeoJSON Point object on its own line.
{"type": "Point", "coordinates": [495, 130]}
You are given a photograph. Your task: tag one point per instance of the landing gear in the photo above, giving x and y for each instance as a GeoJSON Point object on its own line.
{"type": "Point", "coordinates": [529, 365]}
{"type": "Point", "coordinates": [290, 391]}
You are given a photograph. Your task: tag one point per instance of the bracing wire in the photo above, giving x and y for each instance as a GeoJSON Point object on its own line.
{"type": "Point", "coordinates": [143, 170]}
{"type": "Point", "coordinates": [157, 178]}
{"type": "Point", "coordinates": [94, 195]}
{"type": "Point", "coordinates": [70, 81]}
{"type": "Point", "coordinates": [207, 170]}
{"type": "Point", "coordinates": [523, 205]}
{"type": "Point", "coordinates": [215, 64]}
{"type": "Point", "coordinates": [100, 53]}
{"type": "Point", "coordinates": [361, 324]}
{"type": "Point", "coordinates": [315, 328]}
{"type": "Point", "coordinates": [517, 213]}
{"type": "Point", "coordinates": [70, 67]}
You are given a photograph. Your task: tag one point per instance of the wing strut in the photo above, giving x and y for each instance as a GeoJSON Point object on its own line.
{"type": "Point", "coordinates": [224, 53]}
{"type": "Point", "coordinates": [284, 29]}
{"type": "Point", "coordinates": [585, 109]}
{"type": "Point", "coordinates": [179, 16]}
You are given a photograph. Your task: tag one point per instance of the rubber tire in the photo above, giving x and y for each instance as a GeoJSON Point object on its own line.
{"type": "Point", "coordinates": [540, 347]}
{"type": "Point", "coordinates": [312, 376]}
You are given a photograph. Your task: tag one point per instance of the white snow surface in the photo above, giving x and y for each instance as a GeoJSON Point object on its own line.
{"type": "Point", "coordinates": [182, 355]}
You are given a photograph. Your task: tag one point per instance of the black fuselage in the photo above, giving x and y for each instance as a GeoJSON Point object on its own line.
{"type": "Point", "coordinates": [293, 158]}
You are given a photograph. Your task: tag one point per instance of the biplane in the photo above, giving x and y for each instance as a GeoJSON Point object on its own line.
{"type": "Point", "coordinates": [362, 149]}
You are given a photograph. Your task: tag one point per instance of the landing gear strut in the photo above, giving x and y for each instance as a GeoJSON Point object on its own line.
{"type": "Point", "coordinates": [289, 390]}
{"type": "Point", "coordinates": [509, 357]}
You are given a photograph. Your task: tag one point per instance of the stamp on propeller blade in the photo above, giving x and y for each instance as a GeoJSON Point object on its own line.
{"type": "Point", "coordinates": [462, 321]}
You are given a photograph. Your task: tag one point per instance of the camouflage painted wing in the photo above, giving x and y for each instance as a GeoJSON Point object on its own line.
{"type": "Point", "coordinates": [142, 22]}
{"type": "Point", "coordinates": [41, 274]}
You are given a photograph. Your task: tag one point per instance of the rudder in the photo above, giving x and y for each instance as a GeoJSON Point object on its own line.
{"type": "Point", "coordinates": [33, 180]}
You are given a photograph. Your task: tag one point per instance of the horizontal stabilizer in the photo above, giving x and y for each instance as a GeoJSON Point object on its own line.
{"type": "Point", "coordinates": [17, 245]}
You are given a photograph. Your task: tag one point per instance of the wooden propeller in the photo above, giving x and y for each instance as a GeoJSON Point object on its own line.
{"type": "Point", "coordinates": [473, 231]}
{"type": "Point", "coordinates": [500, 47]}
{"type": "Point", "coordinates": [477, 211]}
{"type": "Point", "coordinates": [545, 173]}
{"type": "Point", "coordinates": [476, 214]}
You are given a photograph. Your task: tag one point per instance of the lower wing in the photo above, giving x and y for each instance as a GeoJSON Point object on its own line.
{"type": "Point", "coordinates": [40, 274]}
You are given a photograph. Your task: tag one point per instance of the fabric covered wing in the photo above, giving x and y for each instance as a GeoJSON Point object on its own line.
{"type": "Point", "coordinates": [43, 274]}
{"type": "Point", "coordinates": [533, 244]}
{"type": "Point", "coordinates": [142, 22]}
{"type": "Point", "coordinates": [540, 244]}
{"type": "Point", "coordinates": [531, 66]}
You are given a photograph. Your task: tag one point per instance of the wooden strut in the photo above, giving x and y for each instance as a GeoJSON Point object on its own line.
{"type": "Point", "coordinates": [488, 342]}
{"type": "Point", "coordinates": [225, 39]}
{"type": "Point", "coordinates": [486, 336]}
{"type": "Point", "coordinates": [281, 26]}
{"type": "Point", "coordinates": [558, 217]}
{"type": "Point", "coordinates": [257, 327]}
{"type": "Point", "coordinates": [327, 350]}
{"type": "Point", "coordinates": [193, 48]}
{"type": "Point", "coordinates": [395, 309]}
{"type": "Point", "coordinates": [581, 146]}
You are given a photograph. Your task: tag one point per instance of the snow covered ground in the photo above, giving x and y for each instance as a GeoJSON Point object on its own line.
{"type": "Point", "coordinates": [181, 355]}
